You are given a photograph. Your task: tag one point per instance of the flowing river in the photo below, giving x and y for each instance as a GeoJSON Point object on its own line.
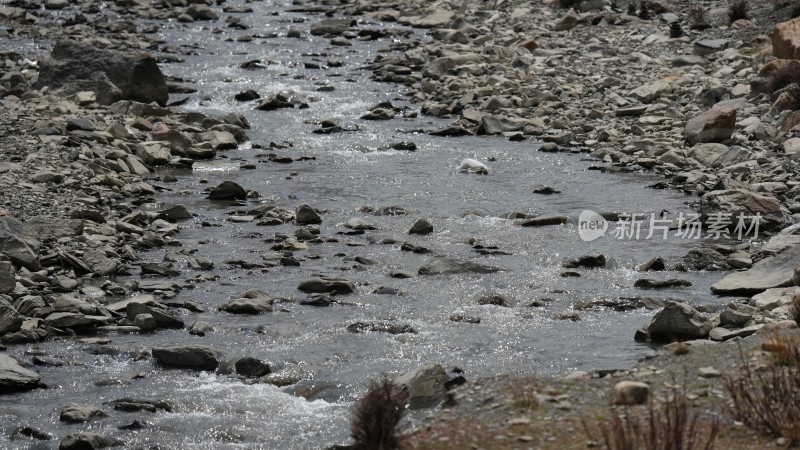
{"type": "Point", "coordinates": [343, 173]}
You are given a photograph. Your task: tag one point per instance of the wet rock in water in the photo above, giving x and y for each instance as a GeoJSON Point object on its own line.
{"type": "Point", "coordinates": [587, 261]}
{"type": "Point", "coordinates": [10, 319]}
{"type": "Point", "coordinates": [306, 215]}
{"type": "Point", "coordinates": [318, 300]}
{"type": "Point", "coordinates": [647, 283]}
{"type": "Point", "coordinates": [404, 145]}
{"type": "Point", "coordinates": [421, 226]}
{"type": "Point", "coordinates": [470, 165]}
{"type": "Point", "coordinates": [545, 220]}
{"type": "Point", "coordinates": [631, 393]}
{"type": "Point", "coordinates": [77, 66]}
{"type": "Point", "coordinates": [272, 103]}
{"type": "Point", "coordinates": [332, 27]}
{"type": "Point", "coordinates": [247, 367]}
{"type": "Point", "coordinates": [162, 318]}
{"type": "Point", "coordinates": [705, 258]}
{"type": "Point", "coordinates": [227, 190]}
{"type": "Point", "coordinates": [88, 441]}
{"type": "Point", "coordinates": [465, 319]}
{"type": "Point", "coordinates": [75, 413]}
{"type": "Point", "coordinates": [677, 321]}
{"type": "Point", "coordinates": [777, 271]}
{"type": "Point", "coordinates": [359, 224]}
{"type": "Point", "coordinates": [31, 433]}
{"type": "Point", "coordinates": [379, 114]}
{"type": "Point", "coordinates": [545, 190]}
{"type": "Point", "coordinates": [655, 264]}
{"type": "Point", "coordinates": [714, 125]}
{"type": "Point", "coordinates": [443, 265]}
{"type": "Point", "coordinates": [495, 299]}
{"type": "Point", "coordinates": [197, 357]}
{"type": "Point", "coordinates": [140, 404]}
{"type": "Point", "coordinates": [424, 387]}
{"type": "Point", "coordinates": [380, 327]}
{"type": "Point", "coordinates": [329, 285]}
{"type": "Point", "coordinates": [200, 329]}
{"type": "Point", "coordinates": [174, 213]}
{"type": "Point", "coordinates": [733, 203]}
{"type": "Point", "coordinates": [253, 301]}
{"type": "Point", "coordinates": [14, 377]}
{"type": "Point", "coordinates": [408, 247]}
{"type": "Point", "coordinates": [246, 96]}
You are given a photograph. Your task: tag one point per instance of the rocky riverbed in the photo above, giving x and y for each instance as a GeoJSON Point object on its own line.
{"type": "Point", "coordinates": [124, 189]}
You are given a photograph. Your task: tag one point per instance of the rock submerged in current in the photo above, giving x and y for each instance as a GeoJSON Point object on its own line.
{"type": "Point", "coordinates": [329, 285]}
{"type": "Point", "coordinates": [443, 265]}
{"type": "Point", "coordinates": [424, 387]}
{"type": "Point", "coordinates": [197, 357]}
{"type": "Point", "coordinates": [470, 165]}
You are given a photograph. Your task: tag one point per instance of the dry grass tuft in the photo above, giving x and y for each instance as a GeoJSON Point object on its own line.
{"type": "Point", "coordinates": [375, 417]}
{"type": "Point", "coordinates": [768, 400]}
{"type": "Point", "coordinates": [669, 425]}
{"type": "Point", "coordinates": [737, 11]}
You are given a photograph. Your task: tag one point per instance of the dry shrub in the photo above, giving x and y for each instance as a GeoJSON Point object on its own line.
{"type": "Point", "coordinates": [566, 4]}
{"type": "Point", "coordinates": [375, 417]}
{"type": "Point", "coordinates": [669, 425]}
{"type": "Point", "coordinates": [794, 306]}
{"type": "Point", "coordinates": [737, 11]}
{"type": "Point", "coordinates": [698, 19]}
{"type": "Point", "coordinates": [782, 77]}
{"type": "Point", "coordinates": [768, 400]}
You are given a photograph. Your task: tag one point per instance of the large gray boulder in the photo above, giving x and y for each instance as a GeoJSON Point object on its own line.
{"type": "Point", "coordinates": [113, 75]}
{"type": "Point", "coordinates": [736, 202]}
{"type": "Point", "coordinates": [766, 274]}
{"type": "Point", "coordinates": [19, 243]}
{"type": "Point", "coordinates": [14, 377]}
{"type": "Point", "coordinates": [677, 321]}
{"type": "Point", "coordinates": [425, 386]}
{"type": "Point", "coordinates": [197, 357]}
{"type": "Point", "coordinates": [442, 265]}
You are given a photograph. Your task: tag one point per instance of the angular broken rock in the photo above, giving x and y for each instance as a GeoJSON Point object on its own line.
{"type": "Point", "coordinates": [76, 66]}
{"type": "Point", "coordinates": [424, 387]}
{"type": "Point", "coordinates": [714, 125]}
{"type": "Point", "coordinates": [18, 242]}
{"type": "Point", "coordinates": [10, 319]}
{"type": "Point", "coordinates": [421, 226]}
{"type": "Point", "coordinates": [14, 377]}
{"type": "Point", "coordinates": [677, 321]}
{"type": "Point", "coordinates": [306, 215]}
{"type": "Point", "coordinates": [443, 265]}
{"type": "Point", "coordinates": [786, 39]}
{"type": "Point", "coordinates": [774, 272]}
{"type": "Point", "coordinates": [733, 203]}
{"type": "Point", "coordinates": [197, 357]}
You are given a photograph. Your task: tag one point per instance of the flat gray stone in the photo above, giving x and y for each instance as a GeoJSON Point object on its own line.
{"type": "Point", "coordinates": [766, 274]}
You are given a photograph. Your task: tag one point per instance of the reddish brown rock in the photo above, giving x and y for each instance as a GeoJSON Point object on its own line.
{"type": "Point", "coordinates": [714, 125]}
{"type": "Point", "coordinates": [786, 39]}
